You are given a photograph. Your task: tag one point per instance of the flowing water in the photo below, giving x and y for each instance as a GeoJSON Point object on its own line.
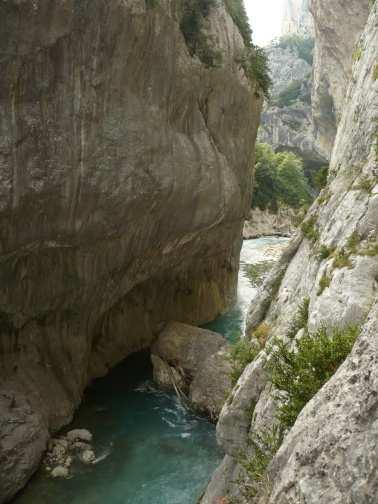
{"type": "Point", "coordinates": [150, 449]}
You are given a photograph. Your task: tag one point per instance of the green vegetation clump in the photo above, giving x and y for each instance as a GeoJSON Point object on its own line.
{"type": "Point", "coordinates": [301, 372]}
{"type": "Point", "coordinates": [300, 319]}
{"type": "Point", "coordinates": [258, 272]}
{"type": "Point", "coordinates": [239, 16]}
{"type": "Point", "coordinates": [365, 184]}
{"type": "Point", "coordinates": [324, 283]}
{"type": "Point", "coordinates": [309, 229]}
{"type": "Point", "coordinates": [357, 53]}
{"type": "Point", "coordinates": [370, 251]}
{"type": "Point", "coordinates": [289, 95]}
{"type": "Point", "coordinates": [342, 260]}
{"type": "Point", "coordinates": [151, 4]}
{"type": "Point", "coordinates": [297, 374]}
{"type": "Point", "coordinates": [254, 62]}
{"type": "Point", "coordinates": [279, 179]}
{"type": "Point", "coordinates": [324, 252]}
{"type": "Point", "coordinates": [353, 242]}
{"type": "Point", "coordinates": [261, 334]}
{"type": "Point", "coordinates": [191, 25]}
{"type": "Point", "coordinates": [303, 46]}
{"type": "Point", "coordinates": [241, 354]}
{"type": "Point", "coordinates": [265, 445]}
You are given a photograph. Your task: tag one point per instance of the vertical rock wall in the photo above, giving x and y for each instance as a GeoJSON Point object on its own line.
{"type": "Point", "coordinates": [124, 182]}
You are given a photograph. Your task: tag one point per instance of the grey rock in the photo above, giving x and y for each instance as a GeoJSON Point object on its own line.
{"type": "Point", "coordinates": [297, 18]}
{"type": "Point", "coordinates": [166, 376]}
{"type": "Point", "coordinates": [187, 347]}
{"type": "Point", "coordinates": [82, 435]}
{"type": "Point", "coordinates": [266, 223]}
{"type": "Point", "coordinates": [87, 456]}
{"type": "Point", "coordinates": [212, 384]}
{"type": "Point", "coordinates": [60, 472]}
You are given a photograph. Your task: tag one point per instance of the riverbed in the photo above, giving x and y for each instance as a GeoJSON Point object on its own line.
{"type": "Point", "coordinates": [150, 449]}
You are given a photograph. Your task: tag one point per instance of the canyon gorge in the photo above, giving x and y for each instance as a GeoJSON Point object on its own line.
{"type": "Point", "coordinates": [127, 145]}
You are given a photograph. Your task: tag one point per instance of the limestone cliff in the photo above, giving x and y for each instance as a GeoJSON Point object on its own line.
{"type": "Point", "coordinates": [297, 18]}
{"type": "Point", "coordinates": [124, 174]}
{"type": "Point", "coordinates": [286, 122]}
{"type": "Point", "coordinates": [338, 25]}
{"type": "Point", "coordinates": [330, 454]}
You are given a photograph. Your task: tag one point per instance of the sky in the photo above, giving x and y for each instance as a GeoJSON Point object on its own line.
{"type": "Point", "coordinates": [265, 19]}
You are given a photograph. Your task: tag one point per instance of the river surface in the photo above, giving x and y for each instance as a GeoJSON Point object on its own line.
{"type": "Point", "coordinates": [150, 449]}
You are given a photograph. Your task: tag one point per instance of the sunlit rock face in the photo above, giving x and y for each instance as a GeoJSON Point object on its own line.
{"type": "Point", "coordinates": [124, 181]}
{"type": "Point", "coordinates": [289, 126]}
{"type": "Point", "coordinates": [330, 454]}
{"type": "Point", "coordinates": [297, 18]}
{"type": "Point", "coordinates": [338, 25]}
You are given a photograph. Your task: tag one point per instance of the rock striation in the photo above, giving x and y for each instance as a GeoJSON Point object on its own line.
{"type": "Point", "coordinates": [297, 18]}
{"type": "Point", "coordinates": [338, 26]}
{"type": "Point", "coordinates": [123, 169]}
{"type": "Point", "coordinates": [330, 454]}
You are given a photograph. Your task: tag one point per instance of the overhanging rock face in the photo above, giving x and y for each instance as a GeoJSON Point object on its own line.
{"type": "Point", "coordinates": [123, 163]}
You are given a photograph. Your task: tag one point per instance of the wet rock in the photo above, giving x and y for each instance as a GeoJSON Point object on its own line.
{"type": "Point", "coordinates": [212, 384]}
{"type": "Point", "coordinates": [186, 347]}
{"type": "Point", "coordinates": [193, 361]}
{"type": "Point", "coordinates": [60, 472]}
{"type": "Point", "coordinates": [79, 435]}
{"type": "Point", "coordinates": [23, 439]}
{"type": "Point", "coordinates": [87, 456]}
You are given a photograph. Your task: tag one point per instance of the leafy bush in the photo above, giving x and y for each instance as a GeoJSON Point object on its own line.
{"type": "Point", "coordinates": [261, 334]}
{"type": "Point", "coordinates": [309, 229]}
{"type": "Point", "coordinates": [301, 372]}
{"type": "Point", "coordinates": [254, 62]}
{"type": "Point", "coordinates": [241, 354]}
{"type": "Point", "coordinates": [191, 25]}
{"type": "Point", "coordinates": [300, 319]}
{"type": "Point", "coordinates": [324, 283]}
{"type": "Point", "coordinates": [289, 95]}
{"type": "Point", "coordinates": [320, 177]}
{"type": "Point", "coordinates": [353, 242]}
{"type": "Point", "coordinates": [265, 445]}
{"type": "Point", "coordinates": [303, 46]}
{"type": "Point", "coordinates": [239, 16]}
{"type": "Point", "coordinates": [258, 272]}
{"type": "Point", "coordinates": [279, 179]}
{"type": "Point", "coordinates": [341, 260]}
{"type": "Point", "coordinates": [324, 252]}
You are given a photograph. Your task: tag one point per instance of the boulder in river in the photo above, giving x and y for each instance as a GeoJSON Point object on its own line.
{"type": "Point", "coordinates": [193, 361]}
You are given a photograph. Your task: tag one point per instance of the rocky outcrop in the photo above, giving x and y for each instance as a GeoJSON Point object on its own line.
{"type": "Point", "coordinates": [286, 122]}
{"type": "Point", "coordinates": [123, 164]}
{"type": "Point", "coordinates": [265, 223]}
{"type": "Point", "coordinates": [297, 18]}
{"type": "Point", "coordinates": [338, 25]}
{"type": "Point", "coordinates": [195, 363]}
{"type": "Point", "coordinates": [330, 454]}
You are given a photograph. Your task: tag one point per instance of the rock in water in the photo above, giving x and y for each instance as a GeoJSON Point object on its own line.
{"type": "Point", "coordinates": [196, 361]}
{"type": "Point", "coordinates": [60, 472]}
{"type": "Point", "coordinates": [79, 435]}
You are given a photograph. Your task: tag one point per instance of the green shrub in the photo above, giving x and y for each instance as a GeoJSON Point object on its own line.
{"type": "Point", "coordinates": [289, 95]}
{"type": "Point", "coordinates": [254, 62]}
{"type": "Point", "coordinates": [324, 283]}
{"type": "Point", "coordinates": [264, 445]}
{"type": "Point", "coordinates": [309, 229]}
{"type": "Point", "coordinates": [320, 178]}
{"type": "Point", "coordinates": [239, 16]}
{"type": "Point", "coordinates": [370, 251]}
{"type": "Point", "coordinates": [365, 184]}
{"type": "Point", "coordinates": [324, 252]}
{"type": "Point", "coordinates": [300, 319]}
{"type": "Point", "coordinates": [302, 45]}
{"type": "Point", "coordinates": [191, 25]}
{"type": "Point", "coordinates": [258, 272]}
{"type": "Point", "coordinates": [151, 4]}
{"type": "Point", "coordinates": [353, 242]}
{"type": "Point", "coordinates": [279, 180]}
{"type": "Point", "coordinates": [342, 260]}
{"type": "Point", "coordinates": [241, 354]}
{"type": "Point", "coordinates": [357, 53]}
{"type": "Point", "coordinates": [301, 372]}
{"type": "Point", "coordinates": [261, 334]}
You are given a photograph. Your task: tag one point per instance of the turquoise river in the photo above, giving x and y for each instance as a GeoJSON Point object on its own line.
{"type": "Point", "coordinates": [150, 449]}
